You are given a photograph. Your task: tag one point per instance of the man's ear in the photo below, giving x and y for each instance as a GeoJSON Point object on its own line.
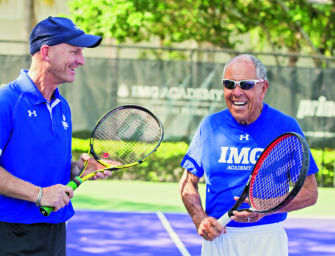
{"type": "Point", "coordinates": [265, 86]}
{"type": "Point", "coordinates": [45, 52]}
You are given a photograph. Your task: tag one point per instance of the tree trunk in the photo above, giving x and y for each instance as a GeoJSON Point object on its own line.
{"type": "Point", "coordinates": [29, 20]}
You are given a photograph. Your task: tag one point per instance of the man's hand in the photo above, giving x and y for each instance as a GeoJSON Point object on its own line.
{"type": "Point", "coordinates": [92, 166]}
{"type": "Point", "coordinates": [56, 196]}
{"type": "Point", "coordinates": [246, 216]}
{"type": "Point", "coordinates": [210, 228]}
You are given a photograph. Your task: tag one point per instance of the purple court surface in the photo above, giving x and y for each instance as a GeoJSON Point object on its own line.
{"type": "Point", "coordinates": [149, 234]}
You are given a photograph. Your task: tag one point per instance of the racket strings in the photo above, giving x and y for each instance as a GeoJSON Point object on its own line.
{"type": "Point", "coordinates": [277, 174]}
{"type": "Point", "coordinates": [126, 136]}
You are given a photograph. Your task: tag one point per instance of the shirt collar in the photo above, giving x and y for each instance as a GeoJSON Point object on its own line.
{"type": "Point", "coordinates": [29, 88]}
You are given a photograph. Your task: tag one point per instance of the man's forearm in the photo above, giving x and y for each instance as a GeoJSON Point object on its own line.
{"type": "Point", "coordinates": [307, 196]}
{"type": "Point", "coordinates": [192, 200]}
{"type": "Point", "coordinates": [194, 208]}
{"type": "Point", "coordinates": [14, 187]}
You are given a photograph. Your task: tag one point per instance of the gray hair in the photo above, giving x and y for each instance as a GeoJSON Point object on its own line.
{"type": "Point", "coordinates": [260, 68]}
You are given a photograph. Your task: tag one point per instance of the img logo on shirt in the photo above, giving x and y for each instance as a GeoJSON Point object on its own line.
{"type": "Point", "coordinates": [64, 123]}
{"type": "Point", "coordinates": [244, 155]}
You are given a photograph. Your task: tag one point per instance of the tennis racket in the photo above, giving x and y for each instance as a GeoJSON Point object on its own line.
{"type": "Point", "coordinates": [277, 176]}
{"type": "Point", "coordinates": [124, 137]}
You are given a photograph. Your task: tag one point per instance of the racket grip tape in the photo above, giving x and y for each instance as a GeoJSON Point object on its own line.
{"type": "Point", "coordinates": [224, 219]}
{"type": "Point", "coordinates": [74, 184]}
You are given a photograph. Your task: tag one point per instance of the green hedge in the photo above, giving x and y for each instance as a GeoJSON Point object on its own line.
{"type": "Point", "coordinates": [164, 165]}
{"type": "Point", "coordinates": [325, 160]}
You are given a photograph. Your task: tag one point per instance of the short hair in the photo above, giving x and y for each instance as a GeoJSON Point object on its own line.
{"type": "Point", "coordinates": [261, 72]}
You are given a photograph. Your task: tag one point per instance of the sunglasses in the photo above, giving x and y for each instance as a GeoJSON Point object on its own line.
{"type": "Point", "coordinates": [243, 84]}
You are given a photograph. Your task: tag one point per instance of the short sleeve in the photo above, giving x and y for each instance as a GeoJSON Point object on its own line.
{"type": "Point", "coordinates": [5, 117]}
{"type": "Point", "coordinates": [192, 159]}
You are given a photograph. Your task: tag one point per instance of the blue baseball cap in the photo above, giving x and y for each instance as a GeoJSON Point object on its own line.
{"type": "Point", "coordinates": [57, 30]}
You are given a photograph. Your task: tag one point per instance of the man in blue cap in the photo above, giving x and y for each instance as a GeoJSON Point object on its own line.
{"type": "Point", "coordinates": [35, 142]}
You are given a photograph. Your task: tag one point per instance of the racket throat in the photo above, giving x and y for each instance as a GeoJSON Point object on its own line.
{"type": "Point", "coordinates": [75, 183]}
{"type": "Point", "coordinates": [78, 181]}
{"type": "Point", "coordinates": [230, 213]}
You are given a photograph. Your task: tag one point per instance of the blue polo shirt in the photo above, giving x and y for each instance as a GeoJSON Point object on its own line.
{"type": "Point", "coordinates": [35, 146]}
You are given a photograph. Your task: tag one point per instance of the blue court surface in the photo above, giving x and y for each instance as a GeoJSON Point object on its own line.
{"type": "Point", "coordinates": [146, 234]}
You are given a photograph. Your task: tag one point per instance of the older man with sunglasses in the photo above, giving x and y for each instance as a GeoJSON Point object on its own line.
{"type": "Point", "coordinates": [223, 150]}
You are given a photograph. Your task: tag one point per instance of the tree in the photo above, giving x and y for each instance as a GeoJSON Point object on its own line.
{"type": "Point", "coordinates": [297, 26]}
{"type": "Point", "coordinates": [30, 13]}
{"type": "Point", "coordinates": [171, 21]}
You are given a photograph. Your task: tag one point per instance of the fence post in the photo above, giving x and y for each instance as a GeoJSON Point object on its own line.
{"type": "Point", "coordinates": [322, 167]}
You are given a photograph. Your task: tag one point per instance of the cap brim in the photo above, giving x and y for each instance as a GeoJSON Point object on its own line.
{"type": "Point", "coordinates": [85, 40]}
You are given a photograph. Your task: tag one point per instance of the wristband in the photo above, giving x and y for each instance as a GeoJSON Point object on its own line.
{"type": "Point", "coordinates": [39, 197]}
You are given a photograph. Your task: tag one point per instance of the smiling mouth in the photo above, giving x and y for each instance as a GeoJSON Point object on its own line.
{"type": "Point", "coordinates": [239, 103]}
{"type": "Point", "coordinates": [73, 69]}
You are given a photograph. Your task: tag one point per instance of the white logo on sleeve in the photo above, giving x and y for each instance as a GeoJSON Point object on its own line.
{"type": "Point", "coordinates": [64, 123]}
{"type": "Point", "coordinates": [32, 113]}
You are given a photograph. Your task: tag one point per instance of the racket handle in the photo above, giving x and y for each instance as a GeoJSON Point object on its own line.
{"type": "Point", "coordinates": [224, 219]}
{"type": "Point", "coordinates": [46, 210]}
{"type": "Point", "coordinates": [74, 184]}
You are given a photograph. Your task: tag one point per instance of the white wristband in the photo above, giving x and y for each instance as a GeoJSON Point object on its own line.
{"type": "Point", "coordinates": [39, 197]}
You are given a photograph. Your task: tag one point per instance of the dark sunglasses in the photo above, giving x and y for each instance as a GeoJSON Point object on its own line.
{"type": "Point", "coordinates": [243, 84]}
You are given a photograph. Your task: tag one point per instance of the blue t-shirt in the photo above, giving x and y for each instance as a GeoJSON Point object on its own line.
{"type": "Point", "coordinates": [225, 152]}
{"type": "Point", "coordinates": [35, 146]}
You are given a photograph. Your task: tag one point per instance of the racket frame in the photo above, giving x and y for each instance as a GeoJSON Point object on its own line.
{"type": "Point", "coordinates": [300, 181]}
{"type": "Point", "coordinates": [225, 219]}
{"type": "Point", "coordinates": [109, 167]}
{"type": "Point", "coordinates": [75, 183]}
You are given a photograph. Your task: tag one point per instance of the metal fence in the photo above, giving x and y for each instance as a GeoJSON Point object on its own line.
{"type": "Point", "coordinates": [183, 85]}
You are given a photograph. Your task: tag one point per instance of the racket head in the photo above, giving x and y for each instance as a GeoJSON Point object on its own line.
{"type": "Point", "coordinates": [125, 136]}
{"type": "Point", "coordinates": [279, 173]}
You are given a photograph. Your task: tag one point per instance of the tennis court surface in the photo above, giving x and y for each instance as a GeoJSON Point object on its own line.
{"type": "Point", "coordinates": [147, 234]}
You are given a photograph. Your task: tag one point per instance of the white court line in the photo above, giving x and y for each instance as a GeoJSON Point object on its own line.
{"type": "Point", "coordinates": [320, 217]}
{"type": "Point", "coordinates": [173, 235]}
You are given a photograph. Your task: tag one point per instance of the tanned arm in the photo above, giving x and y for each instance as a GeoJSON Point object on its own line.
{"type": "Point", "coordinates": [207, 227]}
{"type": "Point", "coordinates": [16, 188]}
{"type": "Point", "coordinates": [307, 196]}
{"type": "Point", "coordinates": [56, 196]}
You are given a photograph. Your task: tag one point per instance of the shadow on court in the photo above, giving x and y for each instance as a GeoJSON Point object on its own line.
{"type": "Point", "coordinates": [145, 234]}
{"type": "Point", "coordinates": [311, 237]}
